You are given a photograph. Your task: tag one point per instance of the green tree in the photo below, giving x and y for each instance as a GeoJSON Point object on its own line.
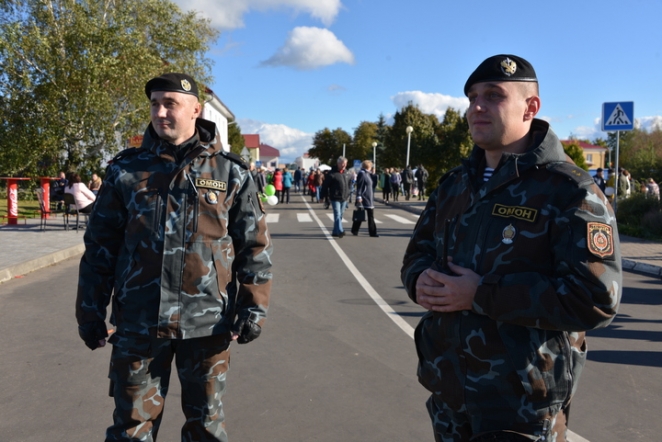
{"type": "Point", "coordinates": [576, 153]}
{"type": "Point", "coordinates": [423, 137]}
{"type": "Point", "coordinates": [328, 145]}
{"type": "Point", "coordinates": [72, 75]}
{"type": "Point", "coordinates": [454, 144]}
{"type": "Point", "coordinates": [235, 139]}
{"type": "Point", "coordinates": [364, 135]}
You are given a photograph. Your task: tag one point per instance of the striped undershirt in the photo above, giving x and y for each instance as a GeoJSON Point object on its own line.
{"type": "Point", "coordinates": [487, 174]}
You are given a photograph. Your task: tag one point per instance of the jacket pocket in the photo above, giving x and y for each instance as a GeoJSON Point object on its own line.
{"type": "Point", "coordinates": [542, 361]}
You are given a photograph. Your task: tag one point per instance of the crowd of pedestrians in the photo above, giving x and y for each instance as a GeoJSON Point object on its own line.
{"type": "Point", "coordinates": [623, 185]}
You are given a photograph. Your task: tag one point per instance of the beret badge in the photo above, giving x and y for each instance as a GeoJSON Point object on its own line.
{"type": "Point", "coordinates": [508, 67]}
{"type": "Point", "coordinates": [186, 85]}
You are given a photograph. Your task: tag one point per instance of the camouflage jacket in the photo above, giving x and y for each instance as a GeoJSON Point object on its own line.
{"type": "Point", "coordinates": [179, 238]}
{"type": "Point", "coordinates": [543, 238]}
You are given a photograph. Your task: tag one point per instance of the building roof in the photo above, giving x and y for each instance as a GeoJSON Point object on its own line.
{"type": "Point", "coordinates": [251, 141]}
{"type": "Point", "coordinates": [216, 103]}
{"type": "Point", "coordinates": [583, 144]}
{"type": "Point", "coordinates": [268, 151]}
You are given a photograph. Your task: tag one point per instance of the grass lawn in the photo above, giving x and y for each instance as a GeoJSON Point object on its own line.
{"type": "Point", "coordinates": [29, 209]}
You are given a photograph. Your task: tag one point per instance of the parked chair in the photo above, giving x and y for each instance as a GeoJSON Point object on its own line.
{"type": "Point", "coordinates": [71, 209]}
{"type": "Point", "coordinates": [45, 212]}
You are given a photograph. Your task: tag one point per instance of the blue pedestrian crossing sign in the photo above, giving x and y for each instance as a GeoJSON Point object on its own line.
{"type": "Point", "coordinates": [618, 116]}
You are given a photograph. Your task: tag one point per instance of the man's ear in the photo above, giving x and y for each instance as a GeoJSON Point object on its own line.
{"type": "Point", "coordinates": [532, 107]}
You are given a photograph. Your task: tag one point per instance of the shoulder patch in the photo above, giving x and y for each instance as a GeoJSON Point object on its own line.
{"type": "Point", "coordinates": [235, 158]}
{"type": "Point", "coordinates": [575, 173]}
{"type": "Point", "coordinates": [600, 240]}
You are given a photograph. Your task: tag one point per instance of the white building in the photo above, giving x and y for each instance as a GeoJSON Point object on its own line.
{"type": "Point", "coordinates": [214, 110]}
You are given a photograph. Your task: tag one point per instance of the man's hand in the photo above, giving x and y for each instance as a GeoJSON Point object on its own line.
{"type": "Point", "coordinates": [245, 330]}
{"type": "Point", "coordinates": [94, 334]}
{"type": "Point", "coordinates": [445, 293]}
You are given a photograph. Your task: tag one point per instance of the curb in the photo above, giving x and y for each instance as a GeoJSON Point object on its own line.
{"type": "Point", "coordinates": [26, 267]}
{"type": "Point", "coordinates": [629, 265]}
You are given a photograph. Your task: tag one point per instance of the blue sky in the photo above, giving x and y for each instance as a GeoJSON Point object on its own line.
{"type": "Point", "coordinates": [288, 68]}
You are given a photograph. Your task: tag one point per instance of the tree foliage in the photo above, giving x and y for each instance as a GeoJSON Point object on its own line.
{"type": "Point", "coordinates": [364, 135]}
{"type": "Point", "coordinates": [72, 75]}
{"type": "Point", "coordinates": [576, 153]}
{"type": "Point", "coordinates": [235, 139]}
{"type": "Point", "coordinates": [640, 152]}
{"type": "Point", "coordinates": [328, 145]}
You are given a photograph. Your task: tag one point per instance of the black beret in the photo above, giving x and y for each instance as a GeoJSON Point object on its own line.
{"type": "Point", "coordinates": [501, 68]}
{"type": "Point", "coordinates": [172, 82]}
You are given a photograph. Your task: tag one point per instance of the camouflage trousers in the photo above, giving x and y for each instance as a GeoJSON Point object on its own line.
{"type": "Point", "coordinates": [140, 376]}
{"type": "Point", "coordinates": [455, 426]}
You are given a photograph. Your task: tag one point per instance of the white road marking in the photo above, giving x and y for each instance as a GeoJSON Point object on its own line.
{"type": "Point", "coordinates": [381, 303]}
{"type": "Point", "coordinates": [386, 308]}
{"type": "Point", "coordinates": [272, 217]}
{"type": "Point", "coordinates": [400, 219]}
{"type": "Point", "coordinates": [304, 218]}
{"type": "Point", "coordinates": [330, 215]}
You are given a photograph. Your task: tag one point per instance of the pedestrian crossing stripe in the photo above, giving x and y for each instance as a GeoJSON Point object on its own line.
{"type": "Point", "coordinates": [273, 218]}
{"type": "Point", "coordinates": [304, 218]}
{"type": "Point", "coordinates": [400, 219]}
{"type": "Point", "coordinates": [618, 117]}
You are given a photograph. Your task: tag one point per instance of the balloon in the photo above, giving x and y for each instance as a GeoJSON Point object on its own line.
{"type": "Point", "coordinates": [263, 198]}
{"type": "Point", "coordinates": [609, 191]}
{"type": "Point", "coordinates": [272, 200]}
{"type": "Point", "coordinates": [270, 190]}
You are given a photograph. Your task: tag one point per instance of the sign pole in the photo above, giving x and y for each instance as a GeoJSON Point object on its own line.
{"type": "Point", "coordinates": [617, 176]}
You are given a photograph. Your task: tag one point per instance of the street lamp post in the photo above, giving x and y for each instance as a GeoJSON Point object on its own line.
{"type": "Point", "coordinates": [374, 155]}
{"type": "Point", "coordinates": [409, 131]}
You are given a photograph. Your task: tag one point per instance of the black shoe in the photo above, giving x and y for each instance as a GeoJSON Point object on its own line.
{"type": "Point", "coordinates": [375, 236]}
{"type": "Point", "coordinates": [336, 235]}
{"type": "Point", "coordinates": [342, 234]}
{"type": "Point", "coordinates": [355, 233]}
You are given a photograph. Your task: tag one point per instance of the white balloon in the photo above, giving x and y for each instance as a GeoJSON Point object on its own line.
{"type": "Point", "coordinates": [272, 200]}
{"type": "Point", "coordinates": [609, 191]}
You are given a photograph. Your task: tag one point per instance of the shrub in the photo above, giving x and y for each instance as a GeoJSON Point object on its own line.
{"type": "Point", "coordinates": [640, 216]}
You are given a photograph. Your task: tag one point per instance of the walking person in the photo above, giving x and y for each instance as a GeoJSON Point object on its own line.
{"type": "Point", "coordinates": [407, 181]}
{"type": "Point", "coordinates": [287, 184]}
{"type": "Point", "coordinates": [386, 189]}
{"type": "Point", "coordinates": [364, 198]}
{"type": "Point", "coordinates": [336, 189]}
{"type": "Point", "coordinates": [298, 177]}
{"type": "Point", "coordinates": [533, 262]}
{"type": "Point", "coordinates": [178, 245]}
{"type": "Point", "coordinates": [278, 183]}
{"type": "Point", "coordinates": [422, 180]}
{"type": "Point", "coordinates": [396, 180]}
{"type": "Point", "coordinates": [319, 181]}
{"type": "Point", "coordinates": [312, 188]}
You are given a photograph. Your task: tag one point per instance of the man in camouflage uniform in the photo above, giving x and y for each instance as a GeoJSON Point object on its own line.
{"type": "Point", "coordinates": [179, 236]}
{"type": "Point", "coordinates": [535, 262]}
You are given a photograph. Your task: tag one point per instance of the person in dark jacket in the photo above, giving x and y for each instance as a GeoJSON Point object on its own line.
{"type": "Point", "coordinates": [336, 188]}
{"type": "Point", "coordinates": [178, 241]}
{"type": "Point", "coordinates": [533, 262]}
{"type": "Point", "coordinates": [422, 179]}
{"type": "Point", "coordinates": [364, 198]}
{"type": "Point", "coordinates": [407, 181]}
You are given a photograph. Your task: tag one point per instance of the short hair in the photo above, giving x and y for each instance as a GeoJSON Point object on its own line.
{"type": "Point", "coordinates": [341, 159]}
{"type": "Point", "coordinates": [366, 164]}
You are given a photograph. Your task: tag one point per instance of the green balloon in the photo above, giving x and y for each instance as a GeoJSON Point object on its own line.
{"type": "Point", "coordinates": [270, 190]}
{"type": "Point", "coordinates": [263, 198]}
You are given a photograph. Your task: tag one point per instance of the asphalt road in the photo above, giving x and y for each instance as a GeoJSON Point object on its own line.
{"type": "Point", "coordinates": [336, 361]}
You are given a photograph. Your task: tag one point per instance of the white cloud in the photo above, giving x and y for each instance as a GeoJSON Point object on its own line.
{"type": "Point", "coordinates": [228, 14]}
{"type": "Point", "coordinates": [310, 48]}
{"type": "Point", "coordinates": [431, 103]}
{"type": "Point", "coordinates": [290, 142]}
{"type": "Point", "coordinates": [649, 123]}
